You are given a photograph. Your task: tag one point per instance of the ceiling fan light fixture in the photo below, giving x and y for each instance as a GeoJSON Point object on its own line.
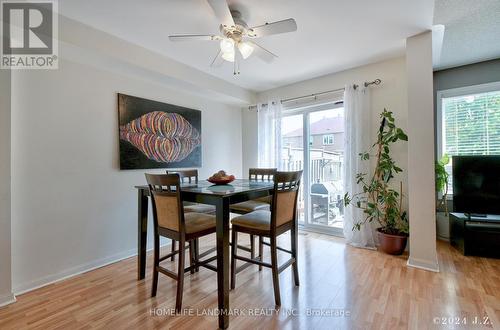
{"type": "Point", "coordinates": [228, 56]}
{"type": "Point", "coordinates": [227, 45]}
{"type": "Point", "coordinates": [245, 49]}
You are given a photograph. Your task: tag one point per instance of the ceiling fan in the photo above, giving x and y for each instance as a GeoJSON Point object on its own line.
{"type": "Point", "coordinates": [236, 37]}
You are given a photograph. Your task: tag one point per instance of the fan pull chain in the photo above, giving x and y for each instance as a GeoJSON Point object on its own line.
{"type": "Point", "coordinates": [236, 67]}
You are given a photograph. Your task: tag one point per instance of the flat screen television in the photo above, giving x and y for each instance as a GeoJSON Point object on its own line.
{"type": "Point", "coordinates": [476, 184]}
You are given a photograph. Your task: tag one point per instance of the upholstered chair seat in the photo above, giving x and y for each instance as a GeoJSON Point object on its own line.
{"type": "Point", "coordinates": [198, 222]}
{"type": "Point", "coordinates": [260, 219]}
{"type": "Point", "coordinates": [265, 199]}
{"type": "Point", "coordinates": [249, 206]}
{"type": "Point", "coordinates": [199, 208]}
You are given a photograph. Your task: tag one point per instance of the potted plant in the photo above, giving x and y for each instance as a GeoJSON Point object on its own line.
{"type": "Point", "coordinates": [442, 221]}
{"type": "Point", "coordinates": [378, 200]}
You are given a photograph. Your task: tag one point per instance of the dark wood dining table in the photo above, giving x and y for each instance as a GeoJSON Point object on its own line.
{"type": "Point", "coordinates": [221, 196]}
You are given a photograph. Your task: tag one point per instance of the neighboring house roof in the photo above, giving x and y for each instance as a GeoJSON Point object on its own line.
{"type": "Point", "coordinates": [329, 125]}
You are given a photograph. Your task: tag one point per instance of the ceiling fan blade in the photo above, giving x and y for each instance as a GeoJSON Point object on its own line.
{"type": "Point", "coordinates": [287, 25]}
{"type": "Point", "coordinates": [222, 12]}
{"type": "Point", "coordinates": [194, 37]}
{"type": "Point", "coordinates": [217, 61]}
{"type": "Point", "coordinates": [262, 53]}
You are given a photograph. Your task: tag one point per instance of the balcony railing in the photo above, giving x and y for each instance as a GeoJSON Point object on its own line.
{"type": "Point", "coordinates": [325, 166]}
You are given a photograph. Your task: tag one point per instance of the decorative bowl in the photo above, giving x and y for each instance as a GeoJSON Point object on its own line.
{"type": "Point", "coordinates": [220, 181]}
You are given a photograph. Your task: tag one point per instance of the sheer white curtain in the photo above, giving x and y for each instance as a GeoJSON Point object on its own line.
{"type": "Point", "coordinates": [269, 134]}
{"type": "Point", "coordinates": [357, 140]}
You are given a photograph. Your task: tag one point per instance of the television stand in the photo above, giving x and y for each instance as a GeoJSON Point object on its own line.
{"type": "Point", "coordinates": [476, 215]}
{"type": "Point", "coordinates": [475, 235]}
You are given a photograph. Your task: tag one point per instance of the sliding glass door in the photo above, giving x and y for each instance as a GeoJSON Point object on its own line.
{"type": "Point", "coordinates": [313, 140]}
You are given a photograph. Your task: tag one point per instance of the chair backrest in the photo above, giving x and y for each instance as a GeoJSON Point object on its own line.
{"type": "Point", "coordinates": [286, 193]}
{"type": "Point", "coordinates": [261, 174]}
{"type": "Point", "coordinates": [189, 176]}
{"type": "Point", "coordinates": [166, 199]}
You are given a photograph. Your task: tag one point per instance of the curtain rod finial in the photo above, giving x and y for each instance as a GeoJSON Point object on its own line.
{"type": "Point", "coordinates": [375, 82]}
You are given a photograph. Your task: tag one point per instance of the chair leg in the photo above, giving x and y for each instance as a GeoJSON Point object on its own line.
{"type": "Point", "coordinates": [180, 275]}
{"type": "Point", "coordinates": [192, 260]}
{"type": "Point", "coordinates": [234, 239]}
{"type": "Point", "coordinates": [274, 267]}
{"type": "Point", "coordinates": [156, 263]}
{"type": "Point", "coordinates": [197, 253]}
{"type": "Point", "coordinates": [294, 243]}
{"type": "Point", "coordinates": [172, 258]}
{"type": "Point", "coordinates": [252, 246]}
{"type": "Point", "coordinates": [261, 252]}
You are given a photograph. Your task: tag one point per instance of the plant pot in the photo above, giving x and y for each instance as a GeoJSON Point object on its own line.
{"type": "Point", "coordinates": [442, 226]}
{"type": "Point", "coordinates": [392, 244]}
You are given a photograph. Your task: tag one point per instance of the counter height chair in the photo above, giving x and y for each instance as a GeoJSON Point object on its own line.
{"type": "Point", "coordinates": [262, 203]}
{"type": "Point", "coordinates": [255, 174]}
{"type": "Point", "coordinates": [191, 176]}
{"type": "Point", "coordinates": [264, 223]}
{"type": "Point", "coordinates": [172, 222]}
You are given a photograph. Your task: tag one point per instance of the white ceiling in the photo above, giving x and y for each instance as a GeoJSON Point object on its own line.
{"type": "Point", "coordinates": [332, 35]}
{"type": "Point", "coordinates": [472, 31]}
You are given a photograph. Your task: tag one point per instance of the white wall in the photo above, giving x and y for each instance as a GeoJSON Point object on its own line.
{"type": "Point", "coordinates": [422, 201]}
{"type": "Point", "coordinates": [391, 94]}
{"type": "Point", "coordinates": [5, 193]}
{"type": "Point", "coordinates": [249, 138]}
{"type": "Point", "coordinates": [72, 209]}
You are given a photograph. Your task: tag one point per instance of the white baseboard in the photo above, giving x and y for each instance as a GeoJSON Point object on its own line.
{"type": "Point", "coordinates": [423, 264]}
{"type": "Point", "coordinates": [68, 273]}
{"type": "Point", "coordinates": [7, 299]}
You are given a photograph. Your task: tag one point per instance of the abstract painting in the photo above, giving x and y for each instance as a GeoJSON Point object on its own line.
{"type": "Point", "coordinates": [157, 135]}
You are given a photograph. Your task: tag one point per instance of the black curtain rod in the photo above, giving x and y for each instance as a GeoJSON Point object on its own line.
{"type": "Point", "coordinates": [312, 95]}
{"type": "Point", "coordinates": [366, 84]}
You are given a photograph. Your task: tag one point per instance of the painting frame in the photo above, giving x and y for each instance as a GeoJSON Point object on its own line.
{"type": "Point", "coordinates": [154, 134]}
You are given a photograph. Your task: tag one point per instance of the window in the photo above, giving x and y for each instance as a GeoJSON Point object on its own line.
{"type": "Point", "coordinates": [328, 139]}
{"type": "Point", "coordinates": [469, 121]}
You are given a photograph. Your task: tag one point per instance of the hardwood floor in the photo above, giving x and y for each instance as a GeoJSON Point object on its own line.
{"type": "Point", "coordinates": [341, 288]}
